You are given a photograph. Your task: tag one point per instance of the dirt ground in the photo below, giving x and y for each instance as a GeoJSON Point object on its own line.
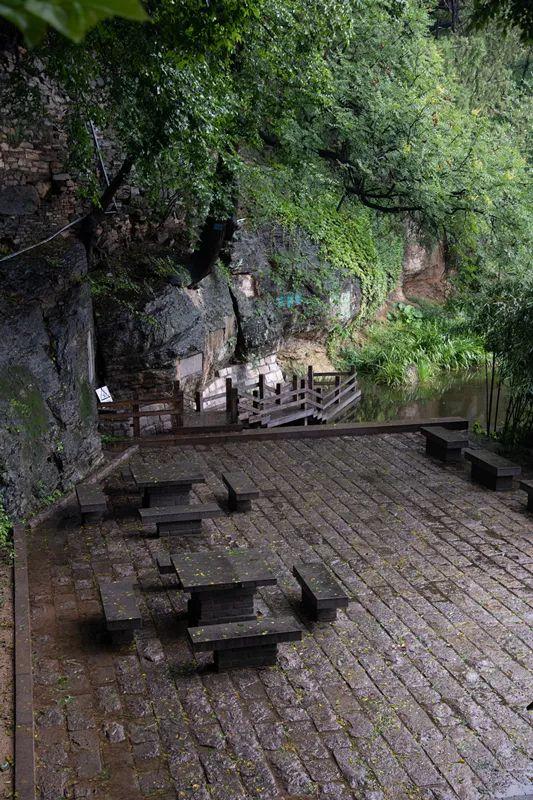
{"type": "Point", "coordinates": [6, 680]}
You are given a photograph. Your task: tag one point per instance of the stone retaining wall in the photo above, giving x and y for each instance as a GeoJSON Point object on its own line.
{"type": "Point", "coordinates": [242, 375]}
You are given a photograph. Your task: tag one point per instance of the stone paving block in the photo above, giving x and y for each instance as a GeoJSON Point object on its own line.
{"type": "Point", "coordinates": [153, 782]}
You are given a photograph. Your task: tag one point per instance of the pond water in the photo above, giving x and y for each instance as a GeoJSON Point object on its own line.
{"type": "Point", "coordinates": [453, 394]}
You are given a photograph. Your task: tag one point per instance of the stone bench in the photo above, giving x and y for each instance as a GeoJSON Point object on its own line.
{"type": "Point", "coordinates": [444, 444]}
{"type": "Point", "coordinates": [321, 594]}
{"type": "Point", "coordinates": [527, 486]}
{"type": "Point", "coordinates": [184, 519]}
{"type": "Point", "coordinates": [126, 477]}
{"type": "Point", "coordinates": [92, 502]}
{"type": "Point", "coordinates": [121, 609]}
{"type": "Point", "coordinates": [245, 644]}
{"type": "Point", "coordinates": [126, 474]}
{"type": "Point", "coordinates": [164, 565]}
{"type": "Point", "coordinates": [241, 491]}
{"type": "Point", "coordinates": [491, 470]}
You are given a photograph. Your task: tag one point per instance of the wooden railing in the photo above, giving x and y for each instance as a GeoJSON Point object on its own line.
{"type": "Point", "coordinates": [131, 411]}
{"type": "Point", "coordinates": [174, 404]}
{"type": "Point", "coordinates": [318, 398]}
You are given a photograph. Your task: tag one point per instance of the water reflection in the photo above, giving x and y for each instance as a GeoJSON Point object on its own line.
{"type": "Point", "coordinates": [453, 394]}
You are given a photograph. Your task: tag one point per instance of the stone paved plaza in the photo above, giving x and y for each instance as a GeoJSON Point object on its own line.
{"type": "Point", "coordinates": [418, 691]}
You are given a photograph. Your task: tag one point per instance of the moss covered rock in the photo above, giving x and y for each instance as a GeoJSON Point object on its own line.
{"type": "Point", "coordinates": [48, 437]}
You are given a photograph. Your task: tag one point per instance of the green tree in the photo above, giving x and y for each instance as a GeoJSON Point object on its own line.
{"type": "Point", "coordinates": [503, 316]}
{"type": "Point", "coordinates": [164, 90]}
{"type": "Point", "coordinates": [506, 14]}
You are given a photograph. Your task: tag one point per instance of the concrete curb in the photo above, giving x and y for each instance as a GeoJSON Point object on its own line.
{"type": "Point", "coordinates": [24, 724]}
{"type": "Point", "coordinates": [305, 432]}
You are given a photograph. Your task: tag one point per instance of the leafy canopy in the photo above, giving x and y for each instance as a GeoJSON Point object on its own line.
{"type": "Point", "coordinates": [401, 123]}
{"type": "Point", "coordinates": [506, 13]}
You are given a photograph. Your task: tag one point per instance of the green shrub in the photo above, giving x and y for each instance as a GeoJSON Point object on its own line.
{"type": "Point", "coordinates": [414, 344]}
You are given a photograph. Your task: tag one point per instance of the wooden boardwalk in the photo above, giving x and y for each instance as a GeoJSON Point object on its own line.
{"type": "Point", "coordinates": [319, 398]}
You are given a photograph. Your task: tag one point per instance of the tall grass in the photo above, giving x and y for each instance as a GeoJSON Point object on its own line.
{"type": "Point", "coordinates": [414, 345]}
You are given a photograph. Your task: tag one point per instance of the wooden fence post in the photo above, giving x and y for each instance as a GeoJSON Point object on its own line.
{"type": "Point", "coordinates": [198, 400]}
{"type": "Point", "coordinates": [278, 392]}
{"type": "Point", "coordinates": [136, 419]}
{"type": "Point", "coordinates": [337, 384]}
{"type": "Point", "coordinates": [234, 405]}
{"type": "Point", "coordinates": [229, 387]}
{"type": "Point", "coordinates": [261, 383]}
{"type": "Point", "coordinates": [178, 403]}
{"type": "Point", "coordinates": [310, 376]}
{"type": "Point", "coordinates": [294, 388]}
{"type": "Point", "coordinates": [303, 395]}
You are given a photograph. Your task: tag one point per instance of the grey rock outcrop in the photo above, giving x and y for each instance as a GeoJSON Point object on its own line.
{"type": "Point", "coordinates": [48, 437]}
{"type": "Point", "coordinates": [181, 333]}
{"type": "Point", "coordinates": [276, 275]}
{"type": "Point", "coordinates": [275, 285]}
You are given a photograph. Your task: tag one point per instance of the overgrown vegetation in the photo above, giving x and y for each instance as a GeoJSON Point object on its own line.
{"type": "Point", "coordinates": [503, 315]}
{"type": "Point", "coordinates": [414, 345]}
{"type": "Point", "coordinates": [6, 527]}
{"type": "Point", "coordinates": [343, 119]}
{"type": "Point", "coordinates": [71, 19]}
{"type": "Point", "coordinates": [359, 92]}
{"type": "Point", "coordinates": [346, 237]}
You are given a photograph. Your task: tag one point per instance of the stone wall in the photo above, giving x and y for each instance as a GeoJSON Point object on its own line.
{"type": "Point", "coordinates": [48, 438]}
{"type": "Point", "coordinates": [242, 375]}
{"type": "Point", "coordinates": [39, 187]}
{"type": "Point", "coordinates": [37, 195]}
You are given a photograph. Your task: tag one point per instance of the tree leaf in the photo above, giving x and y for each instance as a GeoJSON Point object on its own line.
{"type": "Point", "coordinates": [72, 19]}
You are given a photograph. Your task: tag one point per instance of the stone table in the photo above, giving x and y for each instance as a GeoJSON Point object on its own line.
{"type": "Point", "coordinates": [222, 584]}
{"type": "Point", "coordinates": [166, 484]}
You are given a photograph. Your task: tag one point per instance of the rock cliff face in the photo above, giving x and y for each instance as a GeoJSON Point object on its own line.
{"type": "Point", "coordinates": [266, 265]}
{"type": "Point", "coordinates": [48, 436]}
{"type": "Point", "coordinates": [243, 315]}
{"type": "Point", "coordinates": [180, 334]}
{"type": "Point", "coordinates": [424, 267]}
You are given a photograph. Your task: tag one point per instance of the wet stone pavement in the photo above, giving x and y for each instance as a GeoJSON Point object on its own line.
{"type": "Point", "coordinates": [418, 690]}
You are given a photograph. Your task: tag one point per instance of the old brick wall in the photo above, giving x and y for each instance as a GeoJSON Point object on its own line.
{"type": "Point", "coordinates": [37, 194]}
{"type": "Point", "coordinates": [40, 188]}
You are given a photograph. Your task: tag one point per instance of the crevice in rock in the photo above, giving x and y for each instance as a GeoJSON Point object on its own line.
{"type": "Point", "coordinates": [52, 343]}
{"type": "Point", "coordinates": [52, 354]}
{"type": "Point", "coordinates": [240, 345]}
{"type": "Point", "coordinates": [58, 461]}
{"type": "Point", "coordinates": [100, 366]}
